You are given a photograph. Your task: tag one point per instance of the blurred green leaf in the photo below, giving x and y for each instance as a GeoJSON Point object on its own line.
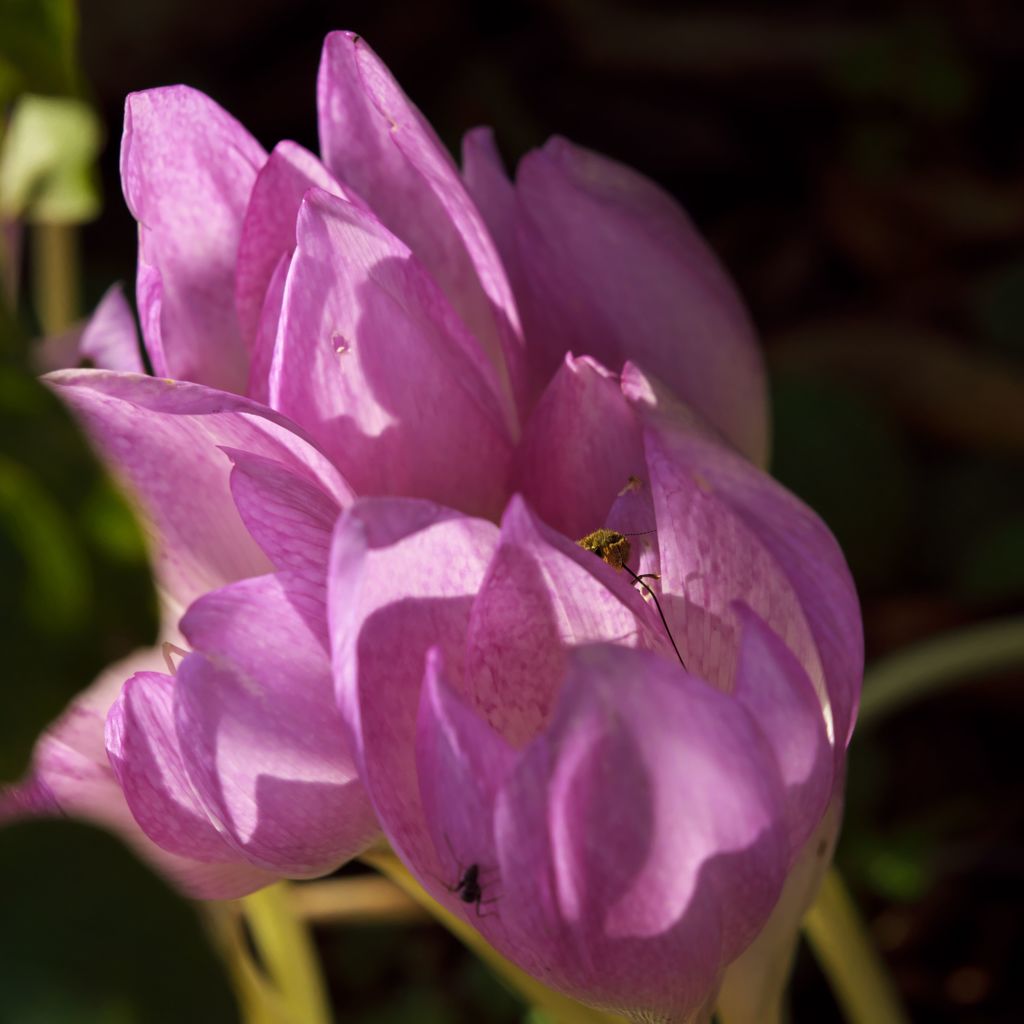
{"type": "Point", "coordinates": [485, 994]}
{"type": "Point", "coordinates": [999, 307]}
{"type": "Point", "coordinates": [932, 383]}
{"type": "Point", "coordinates": [877, 147]}
{"type": "Point", "coordinates": [972, 538]}
{"type": "Point", "coordinates": [992, 566]}
{"type": "Point", "coordinates": [844, 457]}
{"type": "Point", "coordinates": [412, 1002]}
{"type": "Point", "coordinates": [37, 47]}
{"type": "Point", "coordinates": [916, 63]}
{"type": "Point", "coordinates": [927, 668]}
{"type": "Point", "coordinates": [897, 865]}
{"type": "Point", "coordinates": [898, 868]}
{"type": "Point", "coordinates": [91, 937]}
{"type": "Point", "coordinates": [77, 592]}
{"type": "Point", "coordinates": [47, 161]}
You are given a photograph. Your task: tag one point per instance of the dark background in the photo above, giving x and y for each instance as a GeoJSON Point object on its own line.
{"type": "Point", "coordinates": [860, 169]}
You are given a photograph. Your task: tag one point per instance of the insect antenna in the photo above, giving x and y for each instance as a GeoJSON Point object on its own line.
{"type": "Point", "coordinates": [657, 604]}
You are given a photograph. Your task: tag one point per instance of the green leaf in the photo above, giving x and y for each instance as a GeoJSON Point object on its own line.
{"type": "Point", "coordinates": [845, 457]}
{"type": "Point", "coordinates": [90, 936]}
{"type": "Point", "coordinates": [47, 161]}
{"type": "Point", "coordinates": [999, 307]}
{"type": "Point", "coordinates": [897, 867]}
{"type": "Point", "coordinates": [916, 62]}
{"type": "Point", "coordinates": [992, 566]}
{"type": "Point", "coordinates": [77, 592]}
{"type": "Point", "coordinates": [37, 47]}
{"type": "Point", "coordinates": [971, 540]}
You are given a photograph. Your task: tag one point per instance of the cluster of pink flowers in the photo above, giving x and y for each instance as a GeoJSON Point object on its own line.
{"type": "Point", "coordinates": [389, 398]}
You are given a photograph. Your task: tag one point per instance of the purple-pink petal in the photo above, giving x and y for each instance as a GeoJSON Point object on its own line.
{"type": "Point", "coordinates": [376, 142]}
{"type": "Point", "coordinates": [773, 686]}
{"type": "Point", "coordinates": [542, 595]}
{"type": "Point", "coordinates": [110, 340]}
{"type": "Point", "coordinates": [165, 440]}
{"type": "Point", "coordinates": [614, 268]}
{"type": "Point", "coordinates": [373, 362]}
{"type": "Point", "coordinates": [187, 168]}
{"type": "Point", "coordinates": [72, 771]}
{"type": "Point", "coordinates": [261, 356]}
{"type": "Point", "coordinates": [262, 741]}
{"type": "Point", "coordinates": [728, 532]}
{"type": "Point", "coordinates": [290, 516]}
{"type": "Point", "coordinates": [401, 581]}
{"type": "Point", "coordinates": [645, 826]}
{"type": "Point", "coordinates": [484, 174]}
{"type": "Point", "coordinates": [579, 448]}
{"type": "Point", "coordinates": [461, 764]}
{"type": "Point", "coordinates": [268, 229]}
{"type": "Point", "coordinates": [144, 751]}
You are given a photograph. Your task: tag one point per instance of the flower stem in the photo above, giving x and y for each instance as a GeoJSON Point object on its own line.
{"type": "Point", "coordinates": [287, 951]}
{"type": "Point", "coordinates": [366, 898]}
{"type": "Point", "coordinates": [55, 276]}
{"type": "Point", "coordinates": [848, 957]}
{"type": "Point", "coordinates": [10, 261]}
{"type": "Point", "coordinates": [930, 667]}
{"type": "Point", "coordinates": [258, 1001]}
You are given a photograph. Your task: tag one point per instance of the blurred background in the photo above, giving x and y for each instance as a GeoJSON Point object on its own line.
{"type": "Point", "coordinates": [860, 170]}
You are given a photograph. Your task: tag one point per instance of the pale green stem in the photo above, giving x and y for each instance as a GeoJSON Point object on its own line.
{"type": "Point", "coordinates": [848, 957]}
{"type": "Point", "coordinates": [10, 250]}
{"type": "Point", "coordinates": [286, 949]}
{"type": "Point", "coordinates": [10, 260]}
{"type": "Point", "coordinates": [934, 665]}
{"type": "Point", "coordinates": [55, 276]}
{"type": "Point", "coordinates": [258, 1001]}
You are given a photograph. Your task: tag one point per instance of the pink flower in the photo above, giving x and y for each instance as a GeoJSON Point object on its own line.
{"type": "Point", "coordinates": [628, 826]}
{"type": "Point", "coordinates": [398, 396]}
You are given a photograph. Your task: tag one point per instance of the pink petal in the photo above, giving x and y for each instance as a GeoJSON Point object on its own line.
{"type": "Point", "coordinates": [484, 174]}
{"type": "Point", "coordinates": [147, 759]}
{"type": "Point", "coordinates": [71, 775]}
{"type": "Point", "coordinates": [772, 685]}
{"type": "Point", "coordinates": [729, 532]}
{"type": "Point", "coordinates": [164, 440]}
{"type": "Point", "coordinates": [371, 359]}
{"type": "Point", "coordinates": [632, 514]}
{"type": "Point", "coordinates": [639, 838]}
{"type": "Point", "coordinates": [461, 764]}
{"type": "Point", "coordinates": [579, 448]}
{"type": "Point", "coordinates": [261, 738]}
{"type": "Point", "coordinates": [27, 798]}
{"type": "Point", "coordinates": [187, 168]}
{"type": "Point", "coordinates": [290, 516]}
{"type": "Point", "coordinates": [149, 291]}
{"type": "Point", "coordinates": [615, 269]}
{"type": "Point", "coordinates": [110, 341]}
{"type": "Point", "coordinates": [268, 230]}
{"type": "Point", "coordinates": [402, 578]}
{"type": "Point", "coordinates": [262, 353]}
{"type": "Point", "coordinates": [542, 595]}
{"type": "Point", "coordinates": [380, 145]}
